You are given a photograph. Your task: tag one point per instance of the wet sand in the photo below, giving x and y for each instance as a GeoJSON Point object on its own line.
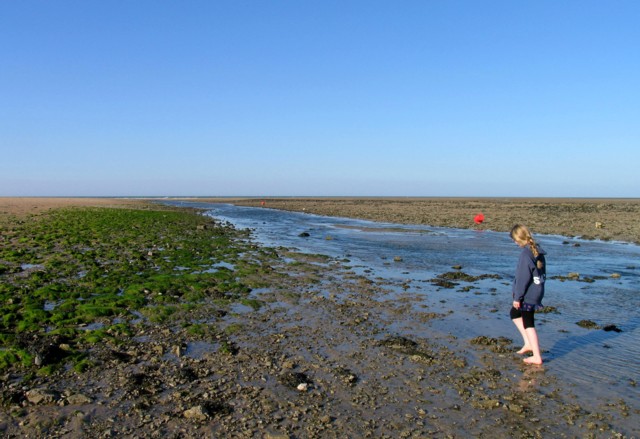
{"type": "Point", "coordinates": [589, 218]}
{"type": "Point", "coordinates": [323, 357]}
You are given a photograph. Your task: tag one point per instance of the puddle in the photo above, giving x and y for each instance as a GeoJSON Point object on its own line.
{"type": "Point", "coordinates": [198, 349]}
{"type": "Point", "coordinates": [92, 326]}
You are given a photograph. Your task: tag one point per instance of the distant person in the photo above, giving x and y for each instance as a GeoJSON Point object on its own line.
{"type": "Point", "coordinates": [528, 291]}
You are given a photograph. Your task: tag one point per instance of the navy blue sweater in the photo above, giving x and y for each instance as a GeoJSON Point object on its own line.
{"type": "Point", "coordinates": [528, 285]}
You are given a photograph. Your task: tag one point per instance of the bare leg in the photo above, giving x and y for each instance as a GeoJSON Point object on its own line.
{"type": "Point", "coordinates": [532, 336]}
{"type": "Point", "coordinates": [526, 346]}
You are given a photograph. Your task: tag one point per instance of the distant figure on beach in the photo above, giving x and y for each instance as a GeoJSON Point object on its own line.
{"type": "Point", "coordinates": [528, 291]}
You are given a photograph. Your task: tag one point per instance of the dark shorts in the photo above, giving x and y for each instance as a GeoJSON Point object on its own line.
{"type": "Point", "coordinates": [527, 317]}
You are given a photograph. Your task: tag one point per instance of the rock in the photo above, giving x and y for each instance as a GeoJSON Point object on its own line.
{"type": "Point", "coordinates": [78, 399]}
{"type": "Point", "coordinates": [588, 324]}
{"type": "Point", "coordinates": [397, 258]}
{"type": "Point", "coordinates": [294, 379]}
{"type": "Point", "coordinates": [288, 364]}
{"type": "Point", "coordinates": [398, 343]}
{"type": "Point", "coordinates": [198, 413]}
{"type": "Point", "coordinates": [615, 276]}
{"type": "Point", "coordinates": [347, 376]}
{"type": "Point", "coordinates": [613, 328]}
{"type": "Point", "coordinates": [573, 276]}
{"type": "Point", "coordinates": [304, 235]}
{"type": "Point", "coordinates": [303, 387]}
{"type": "Point", "coordinates": [41, 396]}
{"type": "Point", "coordinates": [599, 225]}
{"type": "Point", "coordinates": [516, 408]}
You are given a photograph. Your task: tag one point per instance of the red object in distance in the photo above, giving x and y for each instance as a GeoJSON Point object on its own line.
{"type": "Point", "coordinates": [478, 218]}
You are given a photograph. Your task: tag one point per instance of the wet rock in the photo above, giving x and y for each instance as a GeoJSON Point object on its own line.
{"type": "Point", "coordinates": [447, 280]}
{"type": "Point", "coordinates": [304, 235]}
{"type": "Point", "coordinates": [574, 277]}
{"type": "Point", "coordinates": [346, 375]}
{"type": "Point", "coordinates": [186, 374]}
{"type": "Point", "coordinates": [45, 349]}
{"type": "Point", "coordinates": [178, 350]}
{"type": "Point", "coordinates": [42, 396]}
{"type": "Point", "coordinates": [288, 364]}
{"type": "Point", "coordinates": [78, 399]}
{"type": "Point", "coordinates": [397, 258]}
{"type": "Point", "coordinates": [198, 413]}
{"type": "Point", "coordinates": [294, 379]}
{"type": "Point", "coordinates": [229, 347]}
{"type": "Point", "coordinates": [498, 345]}
{"type": "Point", "coordinates": [516, 408]}
{"type": "Point", "coordinates": [443, 283]}
{"type": "Point", "coordinates": [410, 348]}
{"type": "Point", "coordinates": [398, 343]}
{"type": "Point", "coordinates": [613, 328]}
{"type": "Point", "coordinates": [588, 324]}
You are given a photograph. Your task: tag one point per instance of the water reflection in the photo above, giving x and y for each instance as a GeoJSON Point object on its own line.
{"type": "Point", "coordinates": [405, 258]}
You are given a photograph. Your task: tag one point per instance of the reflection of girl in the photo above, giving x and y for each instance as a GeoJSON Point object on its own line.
{"type": "Point", "coordinates": [528, 291]}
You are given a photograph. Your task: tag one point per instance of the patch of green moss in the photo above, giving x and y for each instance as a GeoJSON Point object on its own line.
{"type": "Point", "coordinates": [253, 303]}
{"type": "Point", "coordinates": [98, 264]}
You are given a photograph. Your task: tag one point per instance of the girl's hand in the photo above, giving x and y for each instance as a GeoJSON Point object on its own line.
{"type": "Point", "coordinates": [516, 304]}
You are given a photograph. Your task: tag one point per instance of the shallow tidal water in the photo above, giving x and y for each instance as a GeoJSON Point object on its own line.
{"type": "Point", "coordinates": [598, 366]}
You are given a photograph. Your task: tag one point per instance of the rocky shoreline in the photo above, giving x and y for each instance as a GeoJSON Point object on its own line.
{"type": "Point", "coordinates": [306, 351]}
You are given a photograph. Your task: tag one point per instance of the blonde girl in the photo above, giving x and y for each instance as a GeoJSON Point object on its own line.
{"type": "Point", "coordinates": [528, 291]}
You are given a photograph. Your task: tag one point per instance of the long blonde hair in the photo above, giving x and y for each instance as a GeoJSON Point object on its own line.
{"type": "Point", "coordinates": [521, 234]}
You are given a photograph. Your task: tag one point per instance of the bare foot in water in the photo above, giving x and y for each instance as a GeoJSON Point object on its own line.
{"type": "Point", "coordinates": [533, 360]}
{"type": "Point", "coordinates": [524, 350]}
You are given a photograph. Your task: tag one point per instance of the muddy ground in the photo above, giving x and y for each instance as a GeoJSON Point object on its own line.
{"type": "Point", "coordinates": [317, 359]}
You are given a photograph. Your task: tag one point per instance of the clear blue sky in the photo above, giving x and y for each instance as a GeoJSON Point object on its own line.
{"type": "Point", "coordinates": [265, 98]}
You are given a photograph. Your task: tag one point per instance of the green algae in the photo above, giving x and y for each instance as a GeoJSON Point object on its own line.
{"type": "Point", "coordinates": [88, 273]}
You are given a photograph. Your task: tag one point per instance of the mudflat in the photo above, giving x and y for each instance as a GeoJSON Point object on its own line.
{"type": "Point", "coordinates": [588, 218]}
{"type": "Point", "coordinates": [140, 323]}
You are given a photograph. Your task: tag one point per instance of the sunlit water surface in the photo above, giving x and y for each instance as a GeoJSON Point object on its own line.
{"type": "Point", "coordinates": [597, 364]}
